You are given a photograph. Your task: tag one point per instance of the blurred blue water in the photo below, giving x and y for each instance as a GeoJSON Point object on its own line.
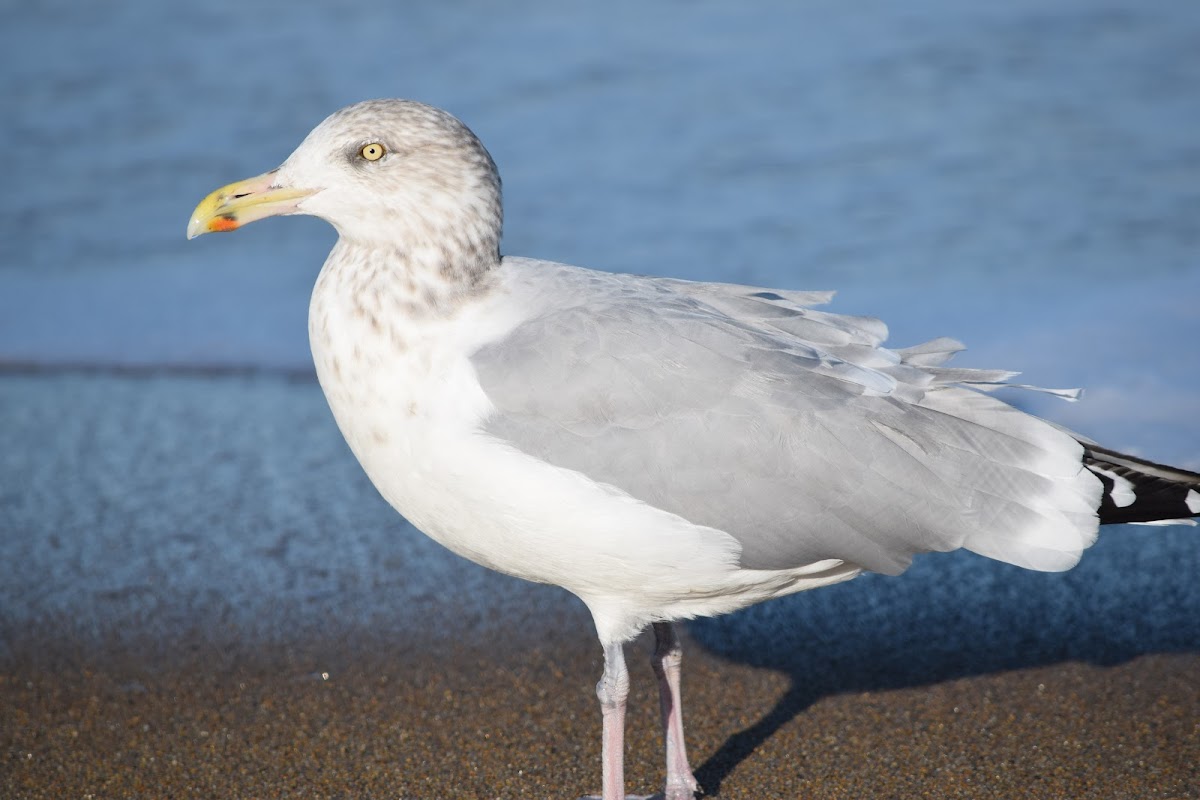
{"type": "Point", "coordinates": [801, 141]}
{"type": "Point", "coordinates": [991, 172]}
{"type": "Point", "coordinates": [1024, 176]}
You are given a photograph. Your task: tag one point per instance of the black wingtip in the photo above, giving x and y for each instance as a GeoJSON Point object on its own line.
{"type": "Point", "coordinates": [1137, 490]}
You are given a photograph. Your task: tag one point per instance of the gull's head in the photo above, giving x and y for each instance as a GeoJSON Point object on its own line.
{"type": "Point", "coordinates": [383, 172]}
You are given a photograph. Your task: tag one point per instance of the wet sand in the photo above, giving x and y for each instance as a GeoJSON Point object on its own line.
{"type": "Point", "coordinates": [352, 716]}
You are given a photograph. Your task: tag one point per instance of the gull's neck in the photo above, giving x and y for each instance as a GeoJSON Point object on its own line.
{"type": "Point", "coordinates": [418, 281]}
{"type": "Point", "coordinates": [387, 325]}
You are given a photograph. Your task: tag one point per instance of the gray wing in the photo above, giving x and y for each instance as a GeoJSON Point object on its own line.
{"type": "Point", "coordinates": [790, 428]}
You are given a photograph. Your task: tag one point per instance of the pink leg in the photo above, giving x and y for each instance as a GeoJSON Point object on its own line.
{"type": "Point", "coordinates": [668, 659]}
{"type": "Point", "coordinates": [612, 690]}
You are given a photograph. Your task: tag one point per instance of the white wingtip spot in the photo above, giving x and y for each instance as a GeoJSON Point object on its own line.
{"type": "Point", "coordinates": [1193, 501]}
{"type": "Point", "coordinates": [1122, 493]}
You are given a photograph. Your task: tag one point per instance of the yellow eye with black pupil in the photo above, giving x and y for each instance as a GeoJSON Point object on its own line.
{"type": "Point", "coordinates": [373, 151]}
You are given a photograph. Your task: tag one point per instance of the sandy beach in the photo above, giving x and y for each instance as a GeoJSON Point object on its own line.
{"type": "Point", "coordinates": [353, 717]}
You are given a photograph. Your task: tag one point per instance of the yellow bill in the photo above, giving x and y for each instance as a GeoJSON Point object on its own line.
{"type": "Point", "coordinates": [237, 204]}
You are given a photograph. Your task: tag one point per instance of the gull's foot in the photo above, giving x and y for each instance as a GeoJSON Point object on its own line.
{"type": "Point", "coordinates": [673, 793]}
{"type": "Point", "coordinates": [685, 790]}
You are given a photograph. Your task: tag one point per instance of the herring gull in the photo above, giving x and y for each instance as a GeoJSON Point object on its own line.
{"type": "Point", "coordinates": [661, 448]}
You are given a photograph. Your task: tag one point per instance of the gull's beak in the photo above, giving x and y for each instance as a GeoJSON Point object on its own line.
{"type": "Point", "coordinates": [237, 204]}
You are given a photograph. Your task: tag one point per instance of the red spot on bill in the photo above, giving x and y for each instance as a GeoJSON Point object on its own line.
{"type": "Point", "coordinates": [222, 224]}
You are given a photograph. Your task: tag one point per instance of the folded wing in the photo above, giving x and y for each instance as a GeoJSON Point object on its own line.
{"type": "Point", "coordinates": [790, 428]}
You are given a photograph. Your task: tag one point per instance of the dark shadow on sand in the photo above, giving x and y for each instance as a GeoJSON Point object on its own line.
{"type": "Point", "coordinates": [957, 615]}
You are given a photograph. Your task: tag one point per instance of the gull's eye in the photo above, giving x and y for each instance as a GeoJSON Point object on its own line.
{"type": "Point", "coordinates": [373, 151]}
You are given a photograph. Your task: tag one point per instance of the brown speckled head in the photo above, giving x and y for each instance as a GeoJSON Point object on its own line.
{"type": "Point", "coordinates": [434, 194]}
